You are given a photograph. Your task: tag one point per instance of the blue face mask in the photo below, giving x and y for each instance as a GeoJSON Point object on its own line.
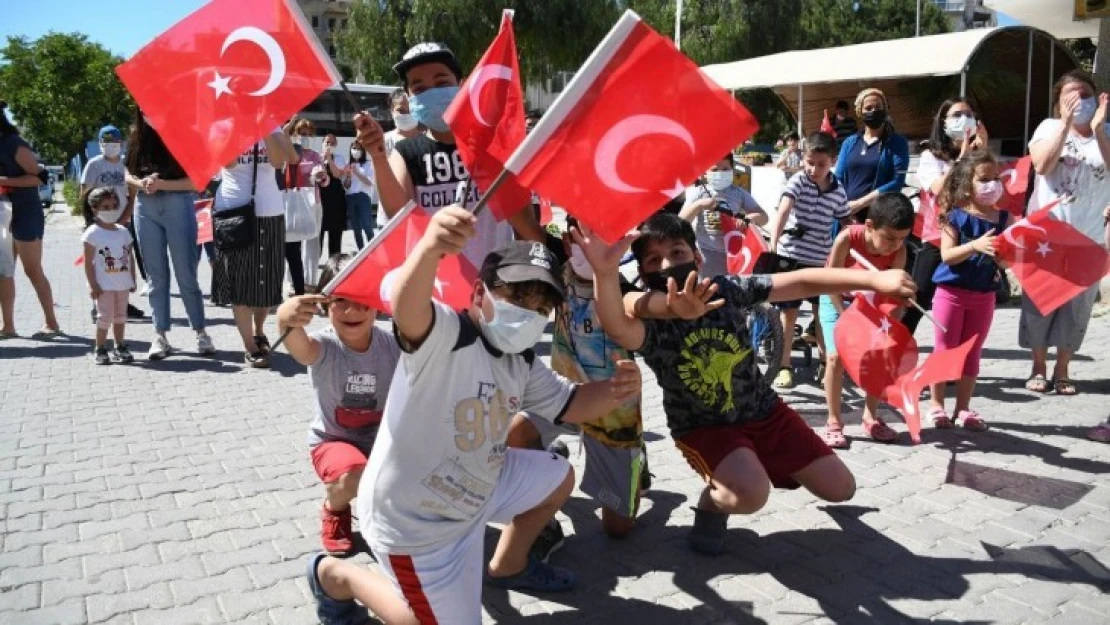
{"type": "Point", "coordinates": [428, 107]}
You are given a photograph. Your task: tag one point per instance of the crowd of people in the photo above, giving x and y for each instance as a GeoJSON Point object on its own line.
{"type": "Point", "coordinates": [443, 425]}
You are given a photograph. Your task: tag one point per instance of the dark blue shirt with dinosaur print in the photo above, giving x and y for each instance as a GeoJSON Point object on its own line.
{"type": "Point", "coordinates": [707, 366]}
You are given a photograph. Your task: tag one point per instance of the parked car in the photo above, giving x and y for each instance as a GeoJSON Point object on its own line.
{"type": "Point", "coordinates": [46, 189]}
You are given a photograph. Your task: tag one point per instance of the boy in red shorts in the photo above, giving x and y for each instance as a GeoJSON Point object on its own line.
{"type": "Point", "coordinates": [730, 425]}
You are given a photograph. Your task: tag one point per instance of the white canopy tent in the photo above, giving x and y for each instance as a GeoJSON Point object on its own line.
{"type": "Point", "coordinates": [1052, 16]}
{"type": "Point", "coordinates": [864, 64]}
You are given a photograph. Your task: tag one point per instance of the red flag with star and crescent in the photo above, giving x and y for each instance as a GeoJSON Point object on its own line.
{"type": "Point", "coordinates": [487, 119]}
{"type": "Point", "coordinates": [874, 348]}
{"type": "Point", "coordinates": [905, 392]}
{"type": "Point", "coordinates": [368, 278]}
{"type": "Point", "coordinates": [225, 76]}
{"type": "Point", "coordinates": [743, 245]}
{"type": "Point", "coordinates": [635, 126]}
{"type": "Point", "coordinates": [1051, 260]}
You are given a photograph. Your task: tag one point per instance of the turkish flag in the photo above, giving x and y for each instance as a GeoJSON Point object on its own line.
{"type": "Point", "coordinates": [905, 392]}
{"type": "Point", "coordinates": [368, 278]}
{"type": "Point", "coordinates": [225, 76]}
{"type": "Point", "coordinates": [875, 349]}
{"type": "Point", "coordinates": [487, 119]}
{"type": "Point", "coordinates": [1015, 181]}
{"type": "Point", "coordinates": [826, 125]}
{"type": "Point", "coordinates": [635, 126]}
{"type": "Point", "coordinates": [743, 245]}
{"type": "Point", "coordinates": [1052, 261]}
{"type": "Point", "coordinates": [203, 209]}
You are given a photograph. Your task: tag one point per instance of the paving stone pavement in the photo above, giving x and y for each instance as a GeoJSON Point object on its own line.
{"type": "Point", "coordinates": [181, 492]}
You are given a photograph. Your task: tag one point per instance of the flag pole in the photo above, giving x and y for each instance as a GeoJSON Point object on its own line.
{"type": "Point", "coordinates": [866, 263]}
{"type": "Point", "coordinates": [497, 182]}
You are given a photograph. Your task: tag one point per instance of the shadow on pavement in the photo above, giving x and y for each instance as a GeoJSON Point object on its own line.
{"type": "Point", "coordinates": [1069, 431]}
{"type": "Point", "coordinates": [998, 442]}
{"type": "Point", "coordinates": [1016, 486]}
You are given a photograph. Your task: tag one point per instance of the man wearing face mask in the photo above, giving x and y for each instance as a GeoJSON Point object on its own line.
{"type": "Point", "coordinates": [405, 126]}
{"type": "Point", "coordinates": [427, 168]}
{"type": "Point", "coordinates": [107, 170]}
{"type": "Point", "coordinates": [705, 201]}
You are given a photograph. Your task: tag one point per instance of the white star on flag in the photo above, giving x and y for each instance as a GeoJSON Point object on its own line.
{"type": "Point", "coordinates": [884, 325]}
{"type": "Point", "coordinates": [1043, 249]}
{"type": "Point", "coordinates": [220, 85]}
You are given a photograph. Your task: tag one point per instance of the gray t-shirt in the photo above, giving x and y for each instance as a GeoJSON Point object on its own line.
{"type": "Point", "coordinates": [100, 172]}
{"type": "Point", "coordinates": [351, 388]}
{"type": "Point", "coordinates": [707, 226]}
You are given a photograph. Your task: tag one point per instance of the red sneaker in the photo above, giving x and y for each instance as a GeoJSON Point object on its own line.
{"type": "Point", "coordinates": [335, 531]}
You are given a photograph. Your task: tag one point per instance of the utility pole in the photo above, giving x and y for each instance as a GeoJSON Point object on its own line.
{"type": "Point", "coordinates": [678, 25]}
{"type": "Point", "coordinates": [917, 30]}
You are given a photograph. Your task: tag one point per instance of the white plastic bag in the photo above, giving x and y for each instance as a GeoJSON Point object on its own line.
{"type": "Point", "coordinates": [7, 249]}
{"type": "Point", "coordinates": [303, 214]}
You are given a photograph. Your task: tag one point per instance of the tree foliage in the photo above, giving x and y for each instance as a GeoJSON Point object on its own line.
{"type": "Point", "coordinates": [62, 89]}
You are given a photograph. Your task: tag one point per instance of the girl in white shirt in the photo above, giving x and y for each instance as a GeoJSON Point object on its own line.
{"type": "Point", "coordinates": [361, 196]}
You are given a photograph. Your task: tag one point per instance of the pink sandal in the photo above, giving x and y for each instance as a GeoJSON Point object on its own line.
{"type": "Point", "coordinates": [972, 421]}
{"type": "Point", "coordinates": [940, 418]}
{"type": "Point", "coordinates": [1100, 434]}
{"type": "Point", "coordinates": [834, 436]}
{"type": "Point", "coordinates": [879, 431]}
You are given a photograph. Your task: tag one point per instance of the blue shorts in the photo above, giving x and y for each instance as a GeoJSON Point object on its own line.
{"type": "Point", "coordinates": [28, 223]}
{"type": "Point", "coordinates": [827, 316]}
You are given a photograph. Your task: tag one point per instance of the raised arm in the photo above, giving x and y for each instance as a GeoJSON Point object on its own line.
{"type": "Point", "coordinates": [625, 330]}
{"type": "Point", "coordinates": [293, 316]}
{"type": "Point", "coordinates": [806, 283]}
{"type": "Point", "coordinates": [391, 177]}
{"type": "Point", "coordinates": [280, 150]}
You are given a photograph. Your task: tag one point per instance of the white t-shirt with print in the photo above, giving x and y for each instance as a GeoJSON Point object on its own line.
{"type": "Point", "coordinates": [111, 257]}
{"type": "Point", "coordinates": [235, 190]}
{"type": "Point", "coordinates": [441, 445]}
{"type": "Point", "coordinates": [357, 186]}
{"type": "Point", "coordinates": [1081, 175]}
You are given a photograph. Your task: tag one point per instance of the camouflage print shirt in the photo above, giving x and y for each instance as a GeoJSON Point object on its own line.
{"type": "Point", "coordinates": [707, 366]}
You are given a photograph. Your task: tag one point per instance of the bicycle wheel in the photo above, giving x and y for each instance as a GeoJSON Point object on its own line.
{"type": "Point", "coordinates": [768, 341]}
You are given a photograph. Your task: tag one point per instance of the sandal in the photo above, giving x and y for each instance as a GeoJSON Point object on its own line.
{"type": "Point", "coordinates": [262, 343]}
{"type": "Point", "coordinates": [46, 334]}
{"type": "Point", "coordinates": [1100, 434]}
{"type": "Point", "coordinates": [971, 420]}
{"type": "Point", "coordinates": [834, 436]}
{"type": "Point", "coordinates": [785, 379]}
{"type": "Point", "coordinates": [257, 360]}
{"type": "Point", "coordinates": [880, 432]}
{"type": "Point", "coordinates": [1064, 387]}
{"type": "Point", "coordinates": [1038, 384]}
{"type": "Point", "coordinates": [941, 420]}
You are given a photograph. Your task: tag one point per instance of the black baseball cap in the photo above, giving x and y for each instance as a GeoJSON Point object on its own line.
{"type": "Point", "coordinates": [428, 52]}
{"type": "Point", "coordinates": [525, 261]}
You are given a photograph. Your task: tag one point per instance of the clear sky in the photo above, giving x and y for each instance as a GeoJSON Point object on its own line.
{"type": "Point", "coordinates": [123, 26]}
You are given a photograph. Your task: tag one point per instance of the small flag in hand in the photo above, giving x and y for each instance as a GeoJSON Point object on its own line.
{"type": "Point", "coordinates": [874, 348]}
{"type": "Point", "coordinates": [826, 125]}
{"type": "Point", "coordinates": [368, 279]}
{"type": "Point", "coordinates": [743, 245]}
{"type": "Point", "coordinates": [1015, 181]}
{"type": "Point", "coordinates": [637, 124]}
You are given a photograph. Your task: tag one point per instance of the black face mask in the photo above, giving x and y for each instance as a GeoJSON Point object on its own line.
{"type": "Point", "coordinates": [657, 280]}
{"type": "Point", "coordinates": [874, 119]}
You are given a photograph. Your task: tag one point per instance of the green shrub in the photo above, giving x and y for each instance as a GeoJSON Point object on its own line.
{"type": "Point", "coordinates": [71, 191]}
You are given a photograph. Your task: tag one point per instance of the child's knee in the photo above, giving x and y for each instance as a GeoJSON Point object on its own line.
{"type": "Point", "coordinates": [842, 489]}
{"type": "Point", "coordinates": [346, 484]}
{"type": "Point", "coordinates": [740, 497]}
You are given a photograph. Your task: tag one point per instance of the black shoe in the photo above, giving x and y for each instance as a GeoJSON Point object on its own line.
{"type": "Point", "coordinates": [135, 313]}
{"type": "Point", "coordinates": [263, 344]}
{"type": "Point", "coordinates": [708, 534]}
{"type": "Point", "coordinates": [549, 541]}
{"type": "Point", "coordinates": [101, 356]}
{"type": "Point", "coordinates": [122, 355]}
{"type": "Point", "coordinates": [257, 360]}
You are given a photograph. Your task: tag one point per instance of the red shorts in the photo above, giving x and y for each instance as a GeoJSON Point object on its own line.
{"type": "Point", "coordinates": [784, 444]}
{"type": "Point", "coordinates": [333, 459]}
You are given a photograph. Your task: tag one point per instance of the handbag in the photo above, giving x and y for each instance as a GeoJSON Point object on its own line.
{"type": "Point", "coordinates": [302, 212]}
{"type": "Point", "coordinates": [233, 228]}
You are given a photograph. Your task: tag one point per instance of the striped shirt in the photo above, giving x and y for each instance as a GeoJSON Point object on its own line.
{"type": "Point", "coordinates": [815, 211]}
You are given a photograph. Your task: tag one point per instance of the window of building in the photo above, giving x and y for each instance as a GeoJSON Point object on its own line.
{"type": "Point", "coordinates": [331, 49]}
{"type": "Point", "coordinates": [331, 23]}
{"type": "Point", "coordinates": [315, 21]}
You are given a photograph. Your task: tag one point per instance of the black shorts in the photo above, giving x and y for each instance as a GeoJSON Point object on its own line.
{"type": "Point", "coordinates": [797, 303]}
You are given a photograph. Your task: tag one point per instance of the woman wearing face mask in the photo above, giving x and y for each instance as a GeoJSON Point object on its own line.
{"type": "Point", "coordinates": [334, 200]}
{"type": "Point", "coordinates": [361, 196]}
{"type": "Point", "coordinates": [874, 161]}
{"type": "Point", "coordinates": [704, 204]}
{"type": "Point", "coordinates": [956, 134]}
{"type": "Point", "coordinates": [1070, 152]}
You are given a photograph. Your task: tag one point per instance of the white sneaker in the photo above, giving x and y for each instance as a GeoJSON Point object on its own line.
{"type": "Point", "coordinates": [204, 344]}
{"type": "Point", "coordinates": [145, 290]}
{"type": "Point", "coordinates": [159, 348]}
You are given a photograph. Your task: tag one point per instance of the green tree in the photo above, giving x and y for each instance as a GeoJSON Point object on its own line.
{"type": "Point", "coordinates": [61, 89]}
{"type": "Point", "coordinates": [828, 23]}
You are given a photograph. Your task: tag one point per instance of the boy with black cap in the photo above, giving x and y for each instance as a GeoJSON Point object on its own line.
{"type": "Point", "coordinates": [441, 471]}
{"type": "Point", "coordinates": [428, 168]}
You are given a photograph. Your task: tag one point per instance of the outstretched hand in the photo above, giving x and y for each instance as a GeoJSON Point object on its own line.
{"type": "Point", "coordinates": [603, 257]}
{"type": "Point", "coordinates": [694, 300]}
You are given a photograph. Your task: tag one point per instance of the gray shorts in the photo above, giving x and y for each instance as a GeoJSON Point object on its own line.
{"type": "Point", "coordinates": [612, 474]}
{"type": "Point", "coordinates": [1063, 329]}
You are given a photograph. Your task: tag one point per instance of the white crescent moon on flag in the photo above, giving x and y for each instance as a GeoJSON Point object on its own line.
{"type": "Point", "coordinates": [747, 254]}
{"type": "Point", "coordinates": [270, 46]}
{"type": "Point", "coordinates": [478, 80]}
{"type": "Point", "coordinates": [624, 132]}
{"type": "Point", "coordinates": [387, 284]}
{"type": "Point", "coordinates": [1008, 233]}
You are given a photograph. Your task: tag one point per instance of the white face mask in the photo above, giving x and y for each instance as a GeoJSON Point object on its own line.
{"type": "Point", "coordinates": [1086, 111]}
{"type": "Point", "coordinates": [579, 264]}
{"type": "Point", "coordinates": [109, 217]}
{"type": "Point", "coordinates": [111, 150]}
{"type": "Point", "coordinates": [356, 154]}
{"type": "Point", "coordinates": [404, 121]}
{"type": "Point", "coordinates": [987, 193]}
{"type": "Point", "coordinates": [719, 180]}
{"type": "Point", "coordinates": [513, 329]}
{"type": "Point", "coordinates": [959, 127]}
{"type": "Point", "coordinates": [297, 140]}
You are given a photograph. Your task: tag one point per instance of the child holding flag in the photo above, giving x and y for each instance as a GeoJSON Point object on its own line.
{"type": "Point", "coordinates": [351, 367]}
{"type": "Point", "coordinates": [731, 426]}
{"type": "Point", "coordinates": [880, 241]}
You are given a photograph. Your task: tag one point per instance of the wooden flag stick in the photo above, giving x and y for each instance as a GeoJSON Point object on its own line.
{"type": "Point", "coordinates": [866, 263]}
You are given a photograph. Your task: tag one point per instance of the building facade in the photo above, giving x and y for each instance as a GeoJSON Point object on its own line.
{"type": "Point", "coordinates": [327, 18]}
{"type": "Point", "coordinates": [966, 14]}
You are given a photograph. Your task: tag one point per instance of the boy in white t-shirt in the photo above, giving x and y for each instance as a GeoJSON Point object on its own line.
{"type": "Point", "coordinates": [441, 471]}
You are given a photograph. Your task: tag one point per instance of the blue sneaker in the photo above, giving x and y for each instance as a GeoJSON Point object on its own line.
{"type": "Point", "coordinates": [538, 576]}
{"type": "Point", "coordinates": [332, 611]}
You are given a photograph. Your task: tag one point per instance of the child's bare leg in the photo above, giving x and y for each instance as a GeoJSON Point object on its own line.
{"type": "Point", "coordinates": [965, 389]}
{"type": "Point", "coordinates": [870, 409]}
{"type": "Point", "coordinates": [101, 336]}
{"type": "Point", "coordinates": [739, 485]}
{"type": "Point", "coordinates": [511, 555]}
{"type": "Point", "coordinates": [828, 478]}
{"type": "Point", "coordinates": [343, 490]}
{"type": "Point", "coordinates": [117, 333]}
{"type": "Point", "coordinates": [344, 581]}
{"type": "Point", "coordinates": [936, 396]}
{"type": "Point", "coordinates": [789, 318]}
{"type": "Point", "coordinates": [834, 388]}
